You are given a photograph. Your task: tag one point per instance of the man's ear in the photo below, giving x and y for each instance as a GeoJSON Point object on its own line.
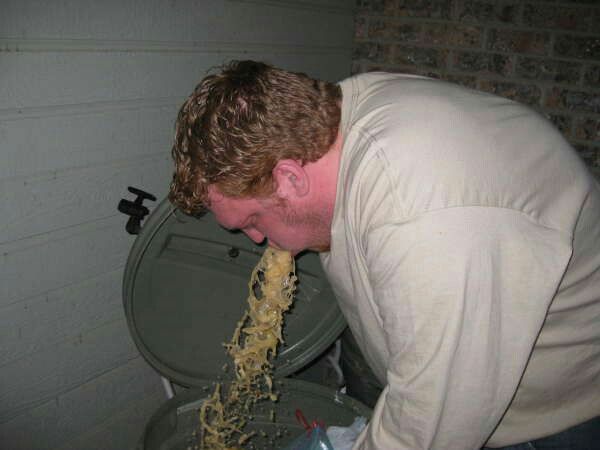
{"type": "Point", "coordinates": [290, 178]}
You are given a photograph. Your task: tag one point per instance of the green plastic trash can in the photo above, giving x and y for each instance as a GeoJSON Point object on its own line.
{"type": "Point", "coordinates": [185, 288]}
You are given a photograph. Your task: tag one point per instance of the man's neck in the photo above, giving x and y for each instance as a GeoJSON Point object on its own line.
{"type": "Point", "coordinates": [323, 175]}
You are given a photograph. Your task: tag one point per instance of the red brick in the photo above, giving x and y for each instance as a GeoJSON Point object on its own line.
{"type": "Point", "coordinates": [563, 123]}
{"type": "Point", "coordinates": [414, 70]}
{"type": "Point", "coordinates": [436, 74]}
{"type": "Point", "coordinates": [464, 80]}
{"type": "Point", "coordinates": [360, 27]}
{"type": "Point", "coordinates": [583, 47]}
{"type": "Point", "coordinates": [518, 41]}
{"type": "Point", "coordinates": [372, 52]}
{"type": "Point", "coordinates": [406, 33]}
{"type": "Point", "coordinates": [386, 7]}
{"type": "Point", "coordinates": [475, 11]}
{"type": "Point", "coordinates": [595, 20]}
{"type": "Point", "coordinates": [367, 67]}
{"type": "Point", "coordinates": [578, 101]}
{"type": "Point", "coordinates": [529, 94]}
{"type": "Point", "coordinates": [434, 9]}
{"type": "Point", "coordinates": [587, 129]}
{"type": "Point", "coordinates": [574, 2]}
{"type": "Point", "coordinates": [356, 67]}
{"type": "Point", "coordinates": [485, 12]}
{"type": "Point", "coordinates": [455, 35]}
{"type": "Point", "coordinates": [420, 57]}
{"type": "Point", "coordinates": [477, 62]}
{"type": "Point", "coordinates": [548, 70]}
{"type": "Point", "coordinates": [390, 29]}
{"type": "Point", "coordinates": [379, 28]}
{"type": "Point", "coordinates": [589, 154]}
{"type": "Point", "coordinates": [591, 76]}
{"type": "Point", "coordinates": [554, 17]}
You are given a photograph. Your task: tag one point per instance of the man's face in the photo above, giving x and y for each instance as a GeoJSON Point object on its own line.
{"type": "Point", "coordinates": [284, 226]}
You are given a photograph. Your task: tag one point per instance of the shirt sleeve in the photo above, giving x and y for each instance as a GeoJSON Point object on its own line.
{"type": "Point", "coordinates": [462, 294]}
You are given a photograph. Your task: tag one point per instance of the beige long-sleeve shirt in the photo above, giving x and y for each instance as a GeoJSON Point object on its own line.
{"type": "Point", "coordinates": [465, 256]}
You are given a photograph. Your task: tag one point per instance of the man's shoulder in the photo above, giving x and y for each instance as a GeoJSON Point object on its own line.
{"type": "Point", "coordinates": [437, 147]}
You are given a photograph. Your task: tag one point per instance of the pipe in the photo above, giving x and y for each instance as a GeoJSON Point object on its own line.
{"type": "Point", "coordinates": [334, 360]}
{"type": "Point", "coordinates": [168, 387]}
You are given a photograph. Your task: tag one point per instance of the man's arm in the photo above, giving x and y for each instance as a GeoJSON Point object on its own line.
{"type": "Point", "coordinates": [462, 294]}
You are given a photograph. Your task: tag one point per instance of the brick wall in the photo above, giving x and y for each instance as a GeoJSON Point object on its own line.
{"type": "Point", "coordinates": [543, 53]}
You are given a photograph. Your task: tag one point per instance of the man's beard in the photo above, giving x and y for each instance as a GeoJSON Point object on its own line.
{"type": "Point", "coordinates": [317, 223]}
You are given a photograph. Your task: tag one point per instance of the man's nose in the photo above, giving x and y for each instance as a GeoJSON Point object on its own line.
{"type": "Point", "coordinates": [255, 235]}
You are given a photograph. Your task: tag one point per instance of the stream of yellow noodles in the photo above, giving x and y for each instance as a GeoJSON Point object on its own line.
{"type": "Point", "coordinates": [252, 347]}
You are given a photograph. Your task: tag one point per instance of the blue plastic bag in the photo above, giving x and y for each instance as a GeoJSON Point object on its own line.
{"type": "Point", "coordinates": [314, 438]}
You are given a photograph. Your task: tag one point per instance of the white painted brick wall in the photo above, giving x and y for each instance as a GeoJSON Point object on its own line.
{"type": "Point", "coordinates": [88, 96]}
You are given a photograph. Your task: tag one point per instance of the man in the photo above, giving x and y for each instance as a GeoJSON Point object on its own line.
{"type": "Point", "coordinates": [459, 230]}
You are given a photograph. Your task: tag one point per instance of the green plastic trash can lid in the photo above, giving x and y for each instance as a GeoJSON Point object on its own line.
{"type": "Point", "coordinates": [185, 288]}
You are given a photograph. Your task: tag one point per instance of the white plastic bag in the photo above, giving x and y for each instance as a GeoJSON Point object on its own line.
{"type": "Point", "coordinates": [343, 438]}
